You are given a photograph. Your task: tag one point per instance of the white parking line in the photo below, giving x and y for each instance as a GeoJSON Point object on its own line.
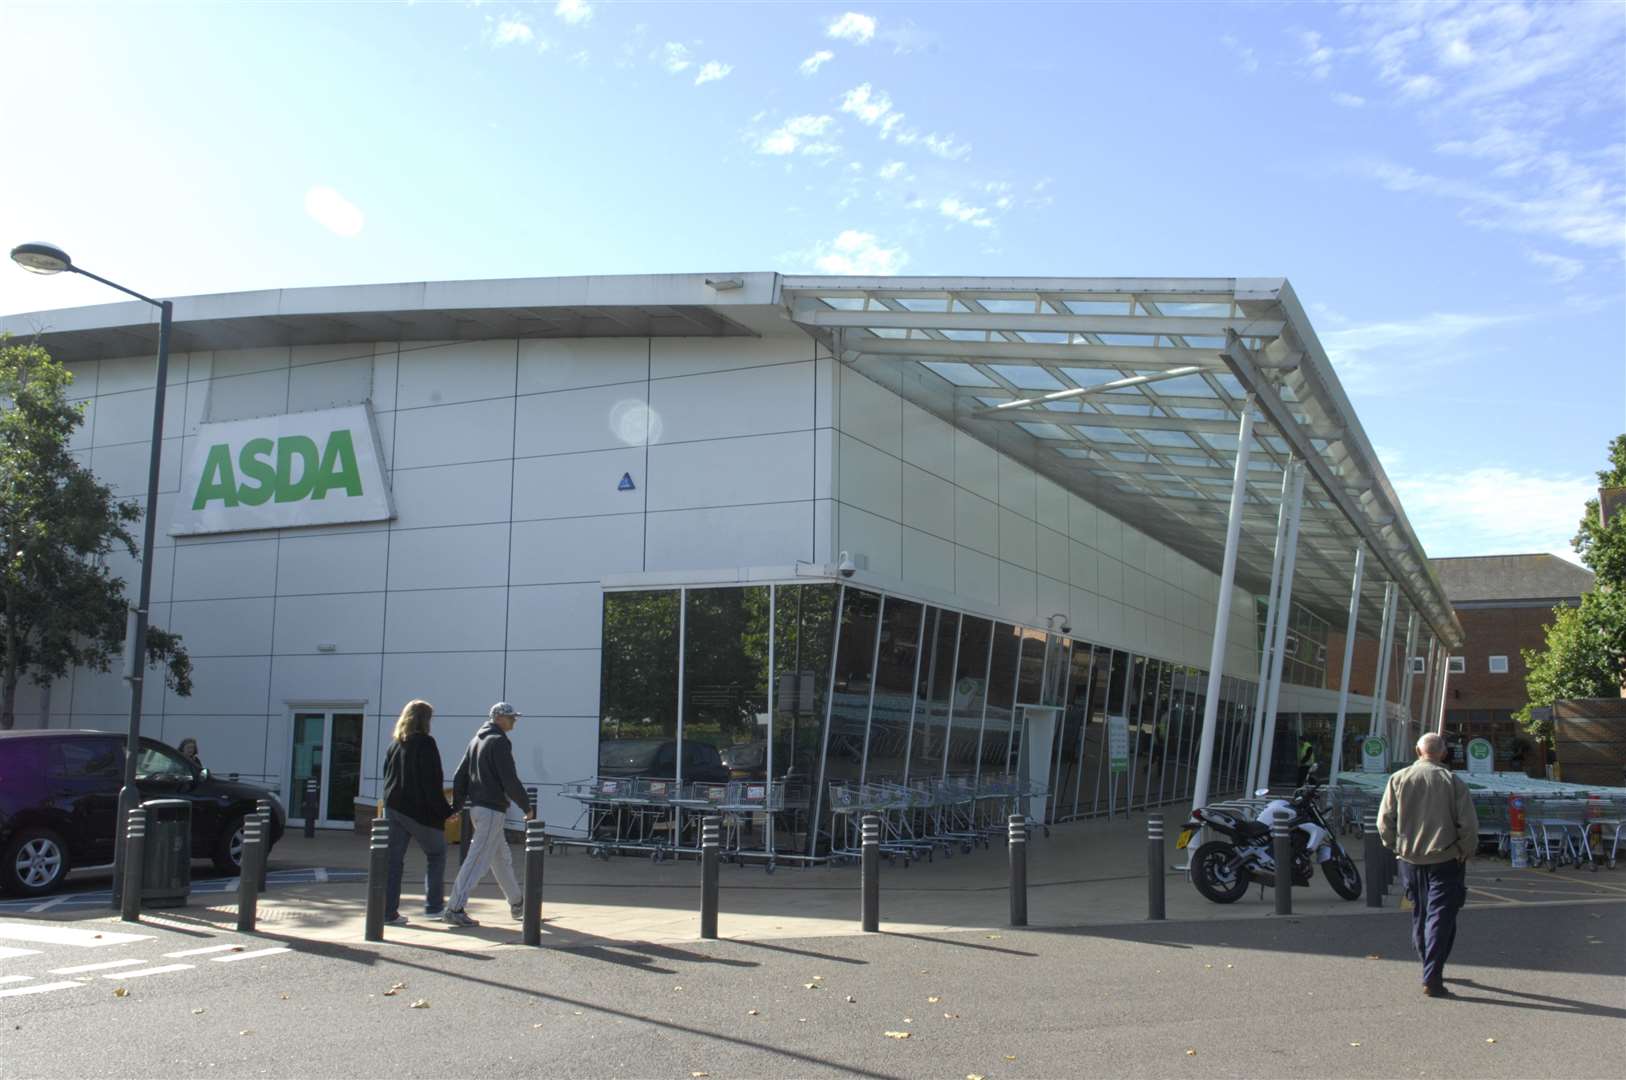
{"type": "Point", "coordinates": [49, 904]}
{"type": "Point", "coordinates": [39, 988]}
{"type": "Point", "coordinates": [203, 951]}
{"type": "Point", "coordinates": [164, 970]}
{"type": "Point", "coordinates": [38, 933]}
{"type": "Point", "coordinates": [103, 966]}
{"type": "Point", "coordinates": [7, 953]}
{"type": "Point", "coordinates": [247, 955]}
{"type": "Point", "coordinates": [16, 978]}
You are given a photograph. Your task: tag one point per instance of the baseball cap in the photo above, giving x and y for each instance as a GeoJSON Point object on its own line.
{"type": "Point", "coordinates": [502, 708]}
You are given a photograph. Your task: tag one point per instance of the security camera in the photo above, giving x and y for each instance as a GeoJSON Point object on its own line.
{"type": "Point", "coordinates": [1066, 627]}
{"type": "Point", "coordinates": [846, 567]}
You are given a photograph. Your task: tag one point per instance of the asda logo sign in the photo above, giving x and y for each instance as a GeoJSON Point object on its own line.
{"type": "Point", "coordinates": [278, 472]}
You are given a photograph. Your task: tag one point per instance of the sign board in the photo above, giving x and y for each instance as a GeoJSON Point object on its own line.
{"type": "Point", "coordinates": [280, 472]}
{"type": "Point", "coordinates": [1481, 758]}
{"type": "Point", "coordinates": [794, 692]}
{"type": "Point", "coordinates": [1375, 754]}
{"type": "Point", "coordinates": [1118, 743]}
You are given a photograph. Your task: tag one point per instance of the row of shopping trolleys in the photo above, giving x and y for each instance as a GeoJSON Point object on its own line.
{"type": "Point", "coordinates": [661, 818]}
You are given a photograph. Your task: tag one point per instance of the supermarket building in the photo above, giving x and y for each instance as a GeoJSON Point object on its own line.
{"type": "Point", "coordinates": [830, 529]}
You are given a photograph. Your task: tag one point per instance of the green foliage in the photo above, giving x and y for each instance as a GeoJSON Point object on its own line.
{"type": "Point", "coordinates": [59, 606]}
{"type": "Point", "coordinates": [1585, 654]}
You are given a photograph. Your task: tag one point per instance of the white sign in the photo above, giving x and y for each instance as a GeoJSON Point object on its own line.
{"type": "Point", "coordinates": [278, 472]}
{"type": "Point", "coordinates": [1481, 757]}
{"type": "Point", "coordinates": [1118, 743]}
{"type": "Point", "coordinates": [1375, 754]}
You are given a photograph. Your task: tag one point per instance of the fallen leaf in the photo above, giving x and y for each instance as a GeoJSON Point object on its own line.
{"type": "Point", "coordinates": [993, 937]}
{"type": "Point", "coordinates": [536, 1025]}
{"type": "Point", "coordinates": [973, 1076]}
{"type": "Point", "coordinates": [1490, 1040]}
{"type": "Point", "coordinates": [677, 989]}
{"type": "Point", "coordinates": [933, 1000]}
{"type": "Point", "coordinates": [1191, 1053]}
{"type": "Point", "coordinates": [851, 1000]}
{"type": "Point", "coordinates": [1374, 956]}
{"type": "Point", "coordinates": [284, 995]}
{"type": "Point", "coordinates": [1354, 1044]}
{"type": "Point", "coordinates": [699, 1075]}
{"type": "Point", "coordinates": [119, 991]}
{"type": "Point", "coordinates": [1228, 967]}
{"type": "Point", "coordinates": [197, 1012]}
{"type": "Point", "coordinates": [1010, 1057]}
{"type": "Point", "coordinates": [818, 978]}
{"type": "Point", "coordinates": [98, 935]}
{"type": "Point", "coordinates": [236, 948]}
{"type": "Point", "coordinates": [801, 1019]}
{"type": "Point", "coordinates": [951, 1016]}
{"type": "Point", "coordinates": [810, 986]}
{"type": "Point", "coordinates": [578, 1012]}
{"type": "Point", "coordinates": [1207, 966]}
{"type": "Point", "coordinates": [246, 1031]}
{"type": "Point", "coordinates": [421, 1003]}
{"type": "Point", "coordinates": [752, 1012]}
{"type": "Point", "coordinates": [898, 1034]}
{"type": "Point", "coordinates": [908, 1019]}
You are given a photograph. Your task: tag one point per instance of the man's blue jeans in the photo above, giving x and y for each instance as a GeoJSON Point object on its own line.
{"type": "Point", "coordinates": [1437, 892]}
{"type": "Point", "coordinates": [433, 842]}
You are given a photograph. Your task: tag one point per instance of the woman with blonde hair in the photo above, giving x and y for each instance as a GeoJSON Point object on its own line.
{"type": "Point", "coordinates": [415, 805]}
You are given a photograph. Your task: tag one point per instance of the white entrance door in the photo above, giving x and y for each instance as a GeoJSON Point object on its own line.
{"type": "Point", "coordinates": [327, 749]}
{"type": "Point", "coordinates": [1038, 743]}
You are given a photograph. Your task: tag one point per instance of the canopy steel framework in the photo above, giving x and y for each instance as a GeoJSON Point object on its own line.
{"type": "Point", "coordinates": [1129, 392]}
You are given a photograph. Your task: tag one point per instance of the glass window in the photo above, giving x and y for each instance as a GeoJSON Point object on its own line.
{"type": "Point", "coordinates": [997, 716]}
{"type": "Point", "coordinates": [1074, 719]}
{"type": "Point", "coordinates": [1095, 745]}
{"type": "Point", "coordinates": [804, 628]}
{"type": "Point", "coordinates": [160, 763]}
{"type": "Point", "coordinates": [936, 691]}
{"type": "Point", "coordinates": [894, 691]}
{"type": "Point", "coordinates": [849, 694]}
{"type": "Point", "coordinates": [88, 759]}
{"type": "Point", "coordinates": [970, 691]}
{"type": "Point", "coordinates": [638, 681]}
{"type": "Point", "coordinates": [1498, 665]}
{"type": "Point", "coordinates": [725, 683]}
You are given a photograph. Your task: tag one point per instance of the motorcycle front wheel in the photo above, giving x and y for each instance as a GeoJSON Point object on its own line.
{"type": "Point", "coordinates": [1212, 874]}
{"type": "Point", "coordinates": [1343, 875]}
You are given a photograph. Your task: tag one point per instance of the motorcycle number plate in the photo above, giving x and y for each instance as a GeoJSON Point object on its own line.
{"type": "Point", "coordinates": [1185, 838]}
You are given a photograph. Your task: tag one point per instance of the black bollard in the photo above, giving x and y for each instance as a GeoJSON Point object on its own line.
{"type": "Point", "coordinates": [248, 873]}
{"type": "Point", "coordinates": [1017, 844]}
{"type": "Point", "coordinates": [536, 845]}
{"type": "Point", "coordinates": [1373, 852]}
{"type": "Point", "coordinates": [465, 835]}
{"type": "Point", "coordinates": [265, 827]}
{"type": "Point", "coordinates": [1154, 866]}
{"type": "Point", "coordinates": [531, 791]}
{"type": "Point", "coordinates": [312, 802]}
{"type": "Point", "coordinates": [135, 851]}
{"type": "Point", "coordinates": [1281, 838]}
{"type": "Point", "coordinates": [378, 868]}
{"type": "Point", "coordinates": [711, 839]}
{"type": "Point", "coordinates": [870, 874]}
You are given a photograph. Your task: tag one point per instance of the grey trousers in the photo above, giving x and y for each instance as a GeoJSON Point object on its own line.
{"type": "Point", "coordinates": [489, 848]}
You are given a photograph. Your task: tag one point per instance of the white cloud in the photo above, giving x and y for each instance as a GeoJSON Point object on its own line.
{"type": "Point", "coordinates": [963, 213]}
{"type": "Point", "coordinates": [1317, 56]}
{"type": "Point", "coordinates": [1246, 58]}
{"type": "Point", "coordinates": [1419, 86]}
{"type": "Point", "coordinates": [1562, 267]}
{"type": "Point", "coordinates": [799, 133]}
{"type": "Point", "coordinates": [853, 27]}
{"type": "Point", "coordinates": [1349, 101]}
{"type": "Point", "coordinates": [858, 253]}
{"type": "Point", "coordinates": [1375, 356]}
{"type": "Point", "coordinates": [866, 104]}
{"type": "Point", "coordinates": [509, 30]}
{"type": "Point", "coordinates": [574, 12]}
{"type": "Point", "coordinates": [944, 146]}
{"type": "Point", "coordinates": [890, 171]}
{"type": "Point", "coordinates": [333, 211]}
{"type": "Point", "coordinates": [712, 71]}
{"type": "Point", "coordinates": [1493, 509]}
{"type": "Point", "coordinates": [674, 57]}
{"type": "Point", "coordinates": [812, 64]}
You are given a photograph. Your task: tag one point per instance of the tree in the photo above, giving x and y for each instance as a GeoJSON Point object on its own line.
{"type": "Point", "coordinates": [1585, 654]}
{"type": "Point", "coordinates": [60, 608]}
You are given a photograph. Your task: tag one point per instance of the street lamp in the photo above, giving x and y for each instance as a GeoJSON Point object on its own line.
{"type": "Point", "coordinates": [50, 259]}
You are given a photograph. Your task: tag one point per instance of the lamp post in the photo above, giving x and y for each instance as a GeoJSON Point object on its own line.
{"type": "Point", "coordinates": [49, 259]}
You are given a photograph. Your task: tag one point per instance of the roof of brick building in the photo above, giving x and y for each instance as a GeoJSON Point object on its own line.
{"type": "Point", "coordinates": [1482, 578]}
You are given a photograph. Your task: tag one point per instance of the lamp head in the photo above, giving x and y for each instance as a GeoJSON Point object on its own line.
{"type": "Point", "coordinates": [39, 258]}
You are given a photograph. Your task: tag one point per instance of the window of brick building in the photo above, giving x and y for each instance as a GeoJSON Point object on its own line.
{"type": "Point", "coordinates": [1458, 665]}
{"type": "Point", "coordinates": [1498, 665]}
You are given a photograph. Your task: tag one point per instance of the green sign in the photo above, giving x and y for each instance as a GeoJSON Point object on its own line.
{"type": "Point", "coordinates": [1481, 756]}
{"type": "Point", "coordinates": [277, 472]}
{"type": "Point", "coordinates": [1118, 743]}
{"type": "Point", "coordinates": [1375, 754]}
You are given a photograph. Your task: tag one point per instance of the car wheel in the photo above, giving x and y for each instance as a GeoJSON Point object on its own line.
{"type": "Point", "coordinates": [36, 862]}
{"type": "Point", "coordinates": [228, 852]}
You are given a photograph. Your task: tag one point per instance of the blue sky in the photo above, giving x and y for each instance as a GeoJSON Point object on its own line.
{"type": "Point", "coordinates": [1444, 185]}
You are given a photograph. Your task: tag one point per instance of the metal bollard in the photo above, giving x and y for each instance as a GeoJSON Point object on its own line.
{"type": "Point", "coordinates": [265, 827]}
{"type": "Point", "coordinates": [312, 802]}
{"type": "Point", "coordinates": [711, 839]}
{"type": "Point", "coordinates": [1016, 841]}
{"type": "Point", "coordinates": [135, 851]}
{"type": "Point", "coordinates": [465, 834]}
{"type": "Point", "coordinates": [1281, 838]}
{"type": "Point", "coordinates": [870, 873]}
{"type": "Point", "coordinates": [531, 792]}
{"type": "Point", "coordinates": [1374, 861]}
{"type": "Point", "coordinates": [536, 845]}
{"type": "Point", "coordinates": [1154, 866]}
{"type": "Point", "coordinates": [378, 868]}
{"type": "Point", "coordinates": [248, 872]}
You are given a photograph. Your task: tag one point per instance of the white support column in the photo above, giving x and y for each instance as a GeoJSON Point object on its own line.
{"type": "Point", "coordinates": [1258, 725]}
{"type": "Point", "coordinates": [1425, 707]}
{"type": "Point", "coordinates": [1405, 664]}
{"type": "Point", "coordinates": [1349, 657]}
{"type": "Point", "coordinates": [1445, 684]}
{"type": "Point", "coordinates": [1222, 609]}
{"type": "Point", "coordinates": [1284, 610]}
{"type": "Point", "coordinates": [1380, 676]}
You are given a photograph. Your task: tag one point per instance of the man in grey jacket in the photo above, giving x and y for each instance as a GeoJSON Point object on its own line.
{"type": "Point", "coordinates": [1427, 819]}
{"type": "Point", "coordinates": [487, 780]}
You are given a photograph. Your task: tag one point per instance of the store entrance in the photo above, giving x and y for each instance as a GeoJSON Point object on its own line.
{"type": "Point", "coordinates": [1033, 762]}
{"type": "Point", "coordinates": [327, 749]}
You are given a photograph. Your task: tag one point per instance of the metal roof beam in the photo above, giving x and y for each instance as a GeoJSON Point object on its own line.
{"type": "Point", "coordinates": [1169, 326]}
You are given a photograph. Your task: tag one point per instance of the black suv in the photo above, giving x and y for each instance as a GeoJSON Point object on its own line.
{"type": "Point", "coordinates": [59, 796]}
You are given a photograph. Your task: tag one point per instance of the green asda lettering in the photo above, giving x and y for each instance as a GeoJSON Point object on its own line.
{"type": "Point", "coordinates": [287, 470]}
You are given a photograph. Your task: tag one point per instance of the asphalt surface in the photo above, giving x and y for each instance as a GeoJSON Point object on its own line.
{"type": "Point", "coordinates": [1541, 994]}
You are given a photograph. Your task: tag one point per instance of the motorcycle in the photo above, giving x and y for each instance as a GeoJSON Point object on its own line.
{"type": "Point", "coordinates": [1223, 869]}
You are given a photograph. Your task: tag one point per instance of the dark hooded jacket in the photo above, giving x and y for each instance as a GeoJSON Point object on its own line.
{"type": "Point", "coordinates": [414, 784]}
{"type": "Point", "coordinates": [486, 776]}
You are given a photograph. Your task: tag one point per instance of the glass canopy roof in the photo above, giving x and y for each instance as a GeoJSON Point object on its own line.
{"type": "Point", "coordinates": [1129, 392]}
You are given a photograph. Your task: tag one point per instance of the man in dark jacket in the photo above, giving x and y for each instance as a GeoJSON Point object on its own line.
{"type": "Point", "coordinates": [486, 781]}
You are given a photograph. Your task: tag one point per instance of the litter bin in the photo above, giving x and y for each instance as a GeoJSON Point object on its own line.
{"type": "Point", "coordinates": [166, 876]}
